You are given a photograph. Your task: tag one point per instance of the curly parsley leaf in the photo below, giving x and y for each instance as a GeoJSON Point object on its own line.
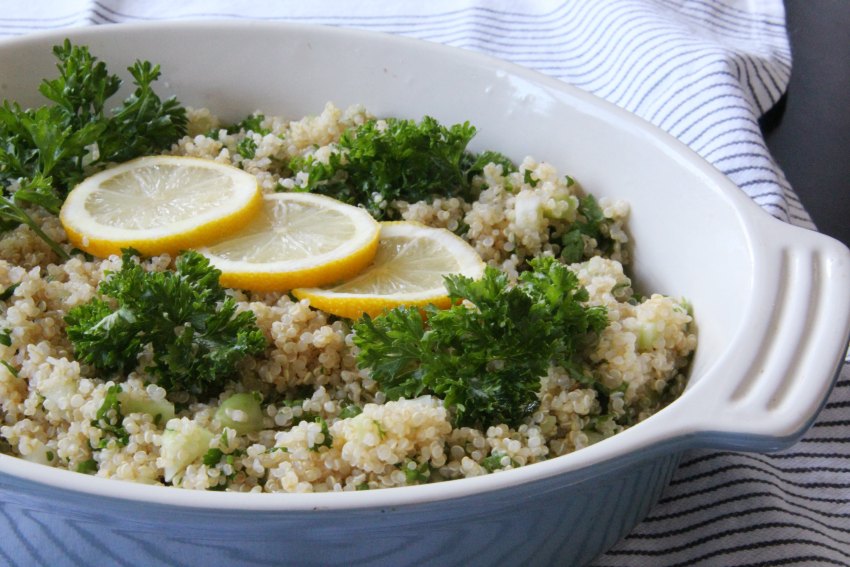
{"type": "Point", "coordinates": [251, 123]}
{"type": "Point", "coordinates": [213, 457]}
{"type": "Point", "coordinates": [485, 361]}
{"type": "Point", "coordinates": [402, 160]}
{"type": "Point", "coordinates": [184, 317]}
{"type": "Point", "coordinates": [13, 210]}
{"type": "Point", "coordinates": [473, 164]}
{"type": "Point", "coordinates": [82, 87]}
{"type": "Point", "coordinates": [144, 124]}
{"type": "Point", "coordinates": [45, 151]}
{"type": "Point", "coordinates": [39, 191]}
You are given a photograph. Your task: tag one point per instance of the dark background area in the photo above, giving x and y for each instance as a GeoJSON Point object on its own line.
{"type": "Point", "coordinates": [809, 131]}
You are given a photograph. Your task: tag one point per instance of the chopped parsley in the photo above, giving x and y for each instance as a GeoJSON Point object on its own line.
{"type": "Point", "coordinates": [589, 225]}
{"type": "Point", "coordinates": [109, 419]}
{"type": "Point", "coordinates": [493, 461]}
{"type": "Point", "coordinates": [87, 467]}
{"type": "Point", "coordinates": [7, 293]}
{"type": "Point", "coordinates": [12, 370]}
{"type": "Point", "coordinates": [251, 123]}
{"type": "Point", "coordinates": [350, 410]}
{"type": "Point", "coordinates": [327, 438]}
{"type": "Point", "coordinates": [416, 474]}
{"type": "Point", "coordinates": [213, 457]}
{"type": "Point", "coordinates": [246, 148]}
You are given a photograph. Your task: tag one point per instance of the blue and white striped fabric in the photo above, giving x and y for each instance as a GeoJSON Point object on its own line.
{"type": "Point", "coordinates": [703, 70]}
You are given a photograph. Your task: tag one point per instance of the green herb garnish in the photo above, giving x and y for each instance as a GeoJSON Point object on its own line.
{"type": "Point", "coordinates": [251, 123]}
{"type": "Point", "coordinates": [485, 361]}
{"type": "Point", "coordinates": [350, 410]}
{"type": "Point", "coordinates": [416, 474]}
{"type": "Point", "coordinates": [327, 438]}
{"type": "Point", "coordinates": [493, 461]}
{"type": "Point", "coordinates": [589, 225]}
{"type": "Point", "coordinates": [12, 370]}
{"type": "Point", "coordinates": [87, 467]}
{"type": "Point", "coordinates": [213, 457]}
{"type": "Point", "coordinates": [111, 425]}
{"type": "Point", "coordinates": [404, 161]}
{"type": "Point", "coordinates": [45, 151]}
{"type": "Point", "coordinates": [7, 293]}
{"type": "Point", "coordinates": [246, 148]}
{"type": "Point", "coordinates": [184, 317]}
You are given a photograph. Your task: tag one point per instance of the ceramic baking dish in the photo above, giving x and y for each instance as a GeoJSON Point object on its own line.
{"type": "Point", "coordinates": [771, 302]}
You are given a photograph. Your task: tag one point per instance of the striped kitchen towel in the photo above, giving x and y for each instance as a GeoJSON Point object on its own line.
{"type": "Point", "coordinates": [704, 70]}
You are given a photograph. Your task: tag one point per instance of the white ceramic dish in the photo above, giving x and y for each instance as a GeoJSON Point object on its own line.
{"type": "Point", "coordinates": [771, 302]}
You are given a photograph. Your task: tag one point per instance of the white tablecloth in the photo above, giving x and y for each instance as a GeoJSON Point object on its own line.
{"type": "Point", "coordinates": [703, 70]}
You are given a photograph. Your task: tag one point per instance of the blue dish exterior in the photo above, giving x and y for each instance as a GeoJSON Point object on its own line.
{"type": "Point", "coordinates": [516, 526]}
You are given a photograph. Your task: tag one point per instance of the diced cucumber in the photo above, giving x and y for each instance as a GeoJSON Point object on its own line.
{"type": "Point", "coordinates": [160, 410]}
{"type": "Point", "coordinates": [594, 437]}
{"type": "Point", "coordinates": [40, 454]}
{"type": "Point", "coordinates": [646, 336]}
{"type": "Point", "coordinates": [528, 210]}
{"type": "Point", "coordinates": [241, 412]}
{"type": "Point", "coordinates": [183, 442]}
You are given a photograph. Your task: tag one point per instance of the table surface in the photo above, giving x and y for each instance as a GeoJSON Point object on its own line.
{"type": "Point", "coordinates": [809, 131]}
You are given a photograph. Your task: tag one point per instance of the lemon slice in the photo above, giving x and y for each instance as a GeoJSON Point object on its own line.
{"type": "Point", "coordinates": [158, 204]}
{"type": "Point", "coordinates": [299, 240]}
{"type": "Point", "coordinates": [408, 270]}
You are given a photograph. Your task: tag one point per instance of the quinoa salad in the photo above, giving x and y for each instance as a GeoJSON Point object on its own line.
{"type": "Point", "coordinates": [321, 421]}
{"type": "Point", "coordinates": [49, 408]}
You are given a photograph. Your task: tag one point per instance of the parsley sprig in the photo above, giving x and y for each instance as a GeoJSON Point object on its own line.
{"type": "Point", "coordinates": [45, 151]}
{"type": "Point", "coordinates": [184, 317]}
{"type": "Point", "coordinates": [405, 160]}
{"type": "Point", "coordinates": [485, 360]}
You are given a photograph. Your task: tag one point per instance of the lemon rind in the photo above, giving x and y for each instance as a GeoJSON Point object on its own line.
{"type": "Point", "coordinates": [89, 235]}
{"type": "Point", "coordinates": [352, 305]}
{"type": "Point", "coordinates": [345, 261]}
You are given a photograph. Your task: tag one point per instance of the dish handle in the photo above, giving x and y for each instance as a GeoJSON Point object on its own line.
{"type": "Point", "coordinates": [803, 323]}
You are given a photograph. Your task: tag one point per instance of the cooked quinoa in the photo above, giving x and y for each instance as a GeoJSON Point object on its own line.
{"type": "Point", "coordinates": [308, 377]}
